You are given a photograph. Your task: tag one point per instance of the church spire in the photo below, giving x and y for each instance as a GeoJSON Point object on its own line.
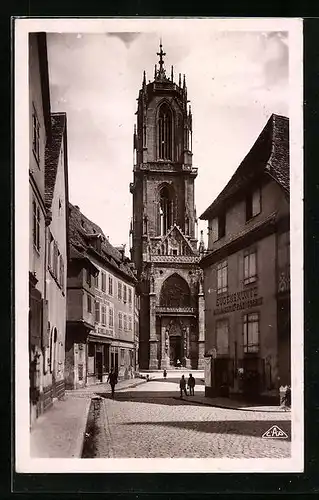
{"type": "Point", "coordinates": [161, 54]}
{"type": "Point", "coordinates": [161, 72]}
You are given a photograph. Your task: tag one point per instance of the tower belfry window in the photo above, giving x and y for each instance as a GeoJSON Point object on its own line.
{"type": "Point", "coordinates": [166, 211]}
{"type": "Point", "coordinates": [165, 133]}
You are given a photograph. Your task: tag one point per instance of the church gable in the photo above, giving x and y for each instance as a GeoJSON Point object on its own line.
{"type": "Point", "coordinates": [174, 243]}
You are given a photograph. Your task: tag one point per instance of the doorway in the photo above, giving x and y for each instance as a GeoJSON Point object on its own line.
{"type": "Point", "coordinates": [175, 349]}
{"type": "Point", "coordinates": [221, 376]}
{"type": "Point", "coordinates": [116, 363]}
{"type": "Point", "coordinates": [251, 377]}
{"type": "Point", "coordinates": [99, 365]}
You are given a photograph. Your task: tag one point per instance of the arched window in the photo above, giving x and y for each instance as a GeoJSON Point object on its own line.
{"type": "Point", "coordinates": [165, 210]}
{"type": "Point", "coordinates": [175, 292]}
{"type": "Point", "coordinates": [164, 133]}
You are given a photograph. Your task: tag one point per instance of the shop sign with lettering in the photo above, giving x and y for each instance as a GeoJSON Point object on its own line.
{"type": "Point", "coordinates": [244, 299]}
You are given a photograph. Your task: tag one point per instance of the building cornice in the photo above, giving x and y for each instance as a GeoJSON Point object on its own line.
{"type": "Point", "coordinates": [80, 322]}
{"type": "Point", "coordinates": [166, 167]}
{"type": "Point", "coordinates": [173, 259]}
{"type": "Point", "coordinates": [103, 339]}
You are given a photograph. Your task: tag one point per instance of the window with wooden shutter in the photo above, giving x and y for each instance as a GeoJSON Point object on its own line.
{"type": "Point", "coordinates": [222, 277]}
{"type": "Point", "coordinates": [111, 317]}
{"type": "Point", "coordinates": [103, 282]}
{"type": "Point", "coordinates": [222, 336]}
{"type": "Point", "coordinates": [250, 266]}
{"type": "Point", "coordinates": [251, 333]}
{"type": "Point", "coordinates": [110, 285]}
{"type": "Point", "coordinates": [97, 311]}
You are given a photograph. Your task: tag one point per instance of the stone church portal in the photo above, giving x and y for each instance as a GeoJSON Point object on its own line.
{"type": "Point", "coordinates": [164, 246]}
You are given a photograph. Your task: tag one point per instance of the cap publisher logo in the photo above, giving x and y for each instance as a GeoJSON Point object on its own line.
{"type": "Point", "coordinates": [275, 433]}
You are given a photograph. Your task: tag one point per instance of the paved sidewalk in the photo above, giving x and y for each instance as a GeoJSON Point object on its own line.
{"type": "Point", "coordinates": [59, 432]}
{"type": "Point", "coordinates": [232, 404]}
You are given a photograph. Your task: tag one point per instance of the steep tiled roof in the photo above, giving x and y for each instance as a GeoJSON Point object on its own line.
{"type": "Point", "coordinates": [269, 155]}
{"type": "Point", "coordinates": [82, 232]}
{"type": "Point", "coordinates": [278, 163]}
{"type": "Point", "coordinates": [52, 154]}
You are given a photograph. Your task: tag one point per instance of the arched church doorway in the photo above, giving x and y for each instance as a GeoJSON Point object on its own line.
{"type": "Point", "coordinates": [175, 344]}
{"type": "Point", "coordinates": [175, 297]}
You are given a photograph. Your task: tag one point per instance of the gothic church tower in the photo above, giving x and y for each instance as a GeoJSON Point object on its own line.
{"type": "Point", "coordinates": [164, 226]}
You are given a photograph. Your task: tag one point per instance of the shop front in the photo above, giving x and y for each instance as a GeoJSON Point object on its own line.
{"type": "Point", "coordinates": [98, 360]}
{"type": "Point", "coordinates": [219, 376]}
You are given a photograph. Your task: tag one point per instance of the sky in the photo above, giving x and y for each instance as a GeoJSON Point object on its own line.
{"type": "Point", "coordinates": [235, 81]}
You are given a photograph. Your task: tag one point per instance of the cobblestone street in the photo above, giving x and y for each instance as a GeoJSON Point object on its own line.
{"type": "Point", "coordinates": [150, 421]}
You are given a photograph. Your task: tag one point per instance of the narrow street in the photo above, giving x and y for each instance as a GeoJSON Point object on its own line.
{"type": "Point", "coordinates": [151, 421]}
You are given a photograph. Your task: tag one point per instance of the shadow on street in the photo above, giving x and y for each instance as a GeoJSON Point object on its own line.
{"type": "Point", "coordinates": [158, 398]}
{"type": "Point", "coordinates": [254, 428]}
{"type": "Point", "coordinates": [175, 380]}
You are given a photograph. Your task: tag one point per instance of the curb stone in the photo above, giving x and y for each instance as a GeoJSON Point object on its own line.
{"type": "Point", "coordinates": [87, 409]}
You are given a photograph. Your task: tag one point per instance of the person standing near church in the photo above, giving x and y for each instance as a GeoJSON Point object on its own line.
{"type": "Point", "coordinates": [191, 385]}
{"type": "Point", "coordinates": [182, 386]}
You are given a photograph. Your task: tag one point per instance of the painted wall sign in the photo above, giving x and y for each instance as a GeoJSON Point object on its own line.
{"type": "Point", "coordinates": [237, 301]}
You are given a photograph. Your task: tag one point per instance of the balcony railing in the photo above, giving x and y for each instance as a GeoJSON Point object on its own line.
{"type": "Point", "coordinates": [164, 166]}
{"type": "Point", "coordinates": [175, 258]}
{"type": "Point", "coordinates": [176, 310]}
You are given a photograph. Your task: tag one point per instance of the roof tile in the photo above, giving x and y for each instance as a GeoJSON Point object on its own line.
{"type": "Point", "coordinates": [52, 154]}
{"type": "Point", "coordinates": [269, 155]}
{"type": "Point", "coordinates": [81, 232]}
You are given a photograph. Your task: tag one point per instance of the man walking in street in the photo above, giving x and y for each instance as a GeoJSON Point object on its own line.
{"type": "Point", "coordinates": [182, 386]}
{"type": "Point", "coordinates": [191, 384]}
{"type": "Point", "coordinates": [112, 378]}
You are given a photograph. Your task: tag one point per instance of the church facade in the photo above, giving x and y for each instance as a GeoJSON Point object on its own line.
{"type": "Point", "coordinates": [164, 243]}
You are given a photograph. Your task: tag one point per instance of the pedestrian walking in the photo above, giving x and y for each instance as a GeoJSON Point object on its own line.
{"type": "Point", "coordinates": [164, 373]}
{"type": "Point", "coordinates": [191, 384]}
{"type": "Point", "coordinates": [182, 386]}
{"type": "Point", "coordinates": [112, 378]}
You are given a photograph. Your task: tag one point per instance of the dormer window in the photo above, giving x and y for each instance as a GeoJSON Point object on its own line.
{"type": "Point", "coordinates": [253, 204]}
